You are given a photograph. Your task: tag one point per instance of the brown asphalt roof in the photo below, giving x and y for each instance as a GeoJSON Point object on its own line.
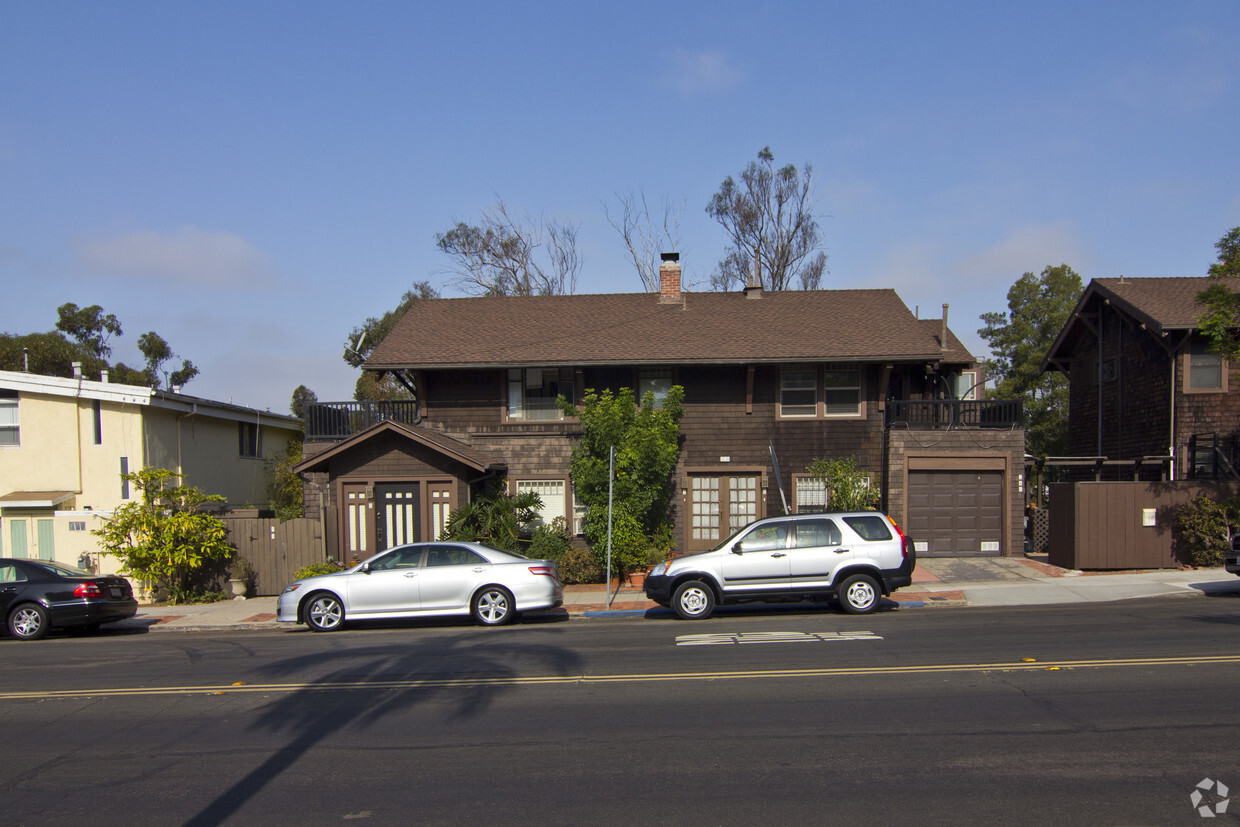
{"type": "Point", "coordinates": [1167, 303]}
{"type": "Point", "coordinates": [636, 328]}
{"type": "Point", "coordinates": [1163, 305]}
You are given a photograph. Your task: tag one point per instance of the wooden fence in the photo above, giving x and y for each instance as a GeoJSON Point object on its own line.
{"type": "Point", "coordinates": [1121, 525]}
{"type": "Point", "coordinates": [276, 549]}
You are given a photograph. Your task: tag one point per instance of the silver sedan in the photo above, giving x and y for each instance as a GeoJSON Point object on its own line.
{"type": "Point", "coordinates": [423, 580]}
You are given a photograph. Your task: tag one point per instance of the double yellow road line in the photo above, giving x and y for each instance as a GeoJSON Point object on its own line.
{"type": "Point", "coordinates": [1025, 665]}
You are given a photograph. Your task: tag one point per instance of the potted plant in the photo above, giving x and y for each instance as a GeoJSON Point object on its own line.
{"type": "Point", "coordinates": [241, 577]}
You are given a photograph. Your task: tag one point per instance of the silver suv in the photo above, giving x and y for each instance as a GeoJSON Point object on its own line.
{"type": "Point", "coordinates": [854, 558]}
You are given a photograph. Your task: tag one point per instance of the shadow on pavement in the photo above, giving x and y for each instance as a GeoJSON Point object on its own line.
{"type": "Point", "coordinates": [330, 703]}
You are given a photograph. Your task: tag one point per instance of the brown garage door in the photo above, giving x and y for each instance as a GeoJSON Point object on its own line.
{"type": "Point", "coordinates": [956, 513]}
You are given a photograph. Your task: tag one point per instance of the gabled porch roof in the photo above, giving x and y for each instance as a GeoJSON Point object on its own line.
{"type": "Point", "coordinates": [437, 442]}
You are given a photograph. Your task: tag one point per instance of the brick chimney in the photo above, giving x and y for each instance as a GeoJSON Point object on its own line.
{"type": "Point", "coordinates": [669, 279]}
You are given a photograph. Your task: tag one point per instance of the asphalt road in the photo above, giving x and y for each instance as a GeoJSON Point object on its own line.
{"type": "Point", "coordinates": [1088, 714]}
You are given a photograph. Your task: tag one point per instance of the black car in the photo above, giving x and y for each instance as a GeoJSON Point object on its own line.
{"type": "Point", "coordinates": [38, 595]}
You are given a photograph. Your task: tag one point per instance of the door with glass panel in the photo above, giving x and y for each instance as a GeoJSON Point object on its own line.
{"type": "Point", "coordinates": [719, 506]}
{"type": "Point", "coordinates": [357, 531]}
{"type": "Point", "coordinates": [398, 514]}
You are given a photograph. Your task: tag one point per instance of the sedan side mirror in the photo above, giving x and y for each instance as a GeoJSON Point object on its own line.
{"type": "Point", "coordinates": [365, 569]}
{"type": "Point", "coordinates": [736, 549]}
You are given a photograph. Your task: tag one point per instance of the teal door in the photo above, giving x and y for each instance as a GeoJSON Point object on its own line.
{"type": "Point", "coordinates": [17, 538]}
{"type": "Point", "coordinates": [47, 540]}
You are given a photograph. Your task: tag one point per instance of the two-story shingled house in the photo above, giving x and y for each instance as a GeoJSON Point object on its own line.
{"type": "Point", "coordinates": [1144, 386]}
{"type": "Point", "coordinates": [772, 380]}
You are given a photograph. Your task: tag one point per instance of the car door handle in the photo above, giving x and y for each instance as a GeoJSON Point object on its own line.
{"type": "Point", "coordinates": [411, 574]}
{"type": "Point", "coordinates": [779, 554]}
{"type": "Point", "coordinates": [841, 551]}
{"type": "Point", "coordinates": [479, 569]}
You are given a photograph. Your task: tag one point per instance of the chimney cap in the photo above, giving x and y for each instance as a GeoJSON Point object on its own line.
{"type": "Point", "coordinates": [672, 257]}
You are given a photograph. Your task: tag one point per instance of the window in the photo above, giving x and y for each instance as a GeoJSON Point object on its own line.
{"type": "Point", "coordinates": [124, 478]}
{"type": "Point", "coordinates": [96, 408]}
{"type": "Point", "coordinates": [798, 392]}
{"type": "Point", "coordinates": [817, 533]}
{"type": "Point", "coordinates": [811, 494]}
{"type": "Point", "coordinates": [966, 385]}
{"type": "Point", "coordinates": [800, 396]}
{"type": "Point", "coordinates": [843, 389]}
{"type": "Point", "coordinates": [77, 525]}
{"type": "Point", "coordinates": [532, 392]}
{"type": "Point", "coordinates": [1106, 372]}
{"type": "Point", "coordinates": [766, 537]}
{"type": "Point", "coordinates": [873, 528]}
{"type": "Point", "coordinates": [1205, 369]}
{"type": "Point", "coordinates": [9, 423]}
{"type": "Point", "coordinates": [657, 381]}
{"type": "Point", "coordinates": [250, 438]}
{"type": "Point", "coordinates": [453, 556]}
{"type": "Point", "coordinates": [552, 494]}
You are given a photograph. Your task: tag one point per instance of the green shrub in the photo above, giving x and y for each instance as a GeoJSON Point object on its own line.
{"type": "Point", "coordinates": [496, 518]}
{"type": "Point", "coordinates": [1203, 529]}
{"type": "Point", "coordinates": [167, 540]}
{"type": "Point", "coordinates": [579, 566]}
{"type": "Point", "coordinates": [551, 541]}
{"type": "Point", "coordinates": [315, 569]}
{"type": "Point", "coordinates": [848, 487]}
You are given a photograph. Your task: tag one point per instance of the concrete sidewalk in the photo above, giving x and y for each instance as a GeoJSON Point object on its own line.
{"type": "Point", "coordinates": [937, 582]}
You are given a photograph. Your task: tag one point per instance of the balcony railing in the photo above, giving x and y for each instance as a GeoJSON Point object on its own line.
{"type": "Point", "coordinates": [328, 421]}
{"type": "Point", "coordinates": [931, 414]}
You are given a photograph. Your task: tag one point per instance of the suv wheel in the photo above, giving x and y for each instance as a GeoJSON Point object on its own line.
{"type": "Point", "coordinates": [693, 600]}
{"type": "Point", "coordinates": [859, 594]}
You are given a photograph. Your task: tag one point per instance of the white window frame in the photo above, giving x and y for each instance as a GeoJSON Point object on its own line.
{"type": "Point", "coordinates": [809, 494]}
{"type": "Point", "coordinates": [10, 422]}
{"type": "Point", "coordinates": [966, 385]}
{"type": "Point", "coordinates": [552, 492]}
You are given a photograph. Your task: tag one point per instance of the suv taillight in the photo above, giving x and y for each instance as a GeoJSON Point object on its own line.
{"type": "Point", "coordinates": [903, 539]}
{"type": "Point", "coordinates": [88, 589]}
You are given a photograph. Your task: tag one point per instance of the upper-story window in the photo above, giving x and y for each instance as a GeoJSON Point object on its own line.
{"type": "Point", "coordinates": [810, 391]}
{"type": "Point", "coordinates": [251, 439]}
{"type": "Point", "coordinates": [654, 380]}
{"type": "Point", "coordinates": [966, 385]}
{"type": "Point", "coordinates": [1205, 369]}
{"type": "Point", "coordinates": [10, 433]}
{"type": "Point", "coordinates": [798, 392]}
{"type": "Point", "coordinates": [843, 389]}
{"type": "Point", "coordinates": [532, 392]}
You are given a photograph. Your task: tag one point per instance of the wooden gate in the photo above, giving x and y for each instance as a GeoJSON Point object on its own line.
{"type": "Point", "coordinates": [276, 549]}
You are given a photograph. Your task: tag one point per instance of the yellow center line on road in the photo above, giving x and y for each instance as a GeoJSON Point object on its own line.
{"type": "Point", "coordinates": [566, 680]}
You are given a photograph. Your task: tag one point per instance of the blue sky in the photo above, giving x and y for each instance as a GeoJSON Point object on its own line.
{"type": "Point", "coordinates": [251, 180]}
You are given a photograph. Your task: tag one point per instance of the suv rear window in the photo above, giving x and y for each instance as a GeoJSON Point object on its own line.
{"type": "Point", "coordinates": [872, 528]}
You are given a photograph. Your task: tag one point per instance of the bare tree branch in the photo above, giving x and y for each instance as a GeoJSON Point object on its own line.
{"type": "Point", "coordinates": [643, 237]}
{"type": "Point", "coordinates": [500, 255]}
{"type": "Point", "coordinates": [770, 222]}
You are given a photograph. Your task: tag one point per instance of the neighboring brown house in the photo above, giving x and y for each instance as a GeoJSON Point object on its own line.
{"type": "Point", "coordinates": [794, 375]}
{"type": "Point", "coordinates": [1143, 382]}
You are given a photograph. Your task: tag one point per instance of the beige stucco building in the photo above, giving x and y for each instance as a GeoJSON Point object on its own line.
{"type": "Point", "coordinates": [65, 445]}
